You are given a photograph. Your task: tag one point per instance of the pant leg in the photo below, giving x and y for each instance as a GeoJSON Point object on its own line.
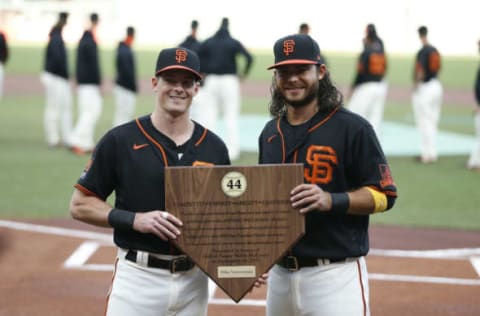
{"type": "Point", "coordinates": [65, 100]}
{"type": "Point", "coordinates": [204, 108]}
{"type": "Point", "coordinates": [420, 113]}
{"type": "Point", "coordinates": [378, 107]}
{"type": "Point", "coordinates": [231, 100]}
{"type": "Point", "coordinates": [2, 79]}
{"type": "Point", "coordinates": [432, 104]}
{"type": "Point", "coordinates": [474, 159]}
{"type": "Point", "coordinates": [51, 114]}
{"type": "Point", "coordinates": [89, 111]}
{"type": "Point", "coordinates": [328, 290]}
{"type": "Point", "coordinates": [142, 291]}
{"type": "Point", "coordinates": [124, 101]}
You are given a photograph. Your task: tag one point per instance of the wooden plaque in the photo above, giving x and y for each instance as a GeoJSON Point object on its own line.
{"type": "Point", "coordinates": [237, 220]}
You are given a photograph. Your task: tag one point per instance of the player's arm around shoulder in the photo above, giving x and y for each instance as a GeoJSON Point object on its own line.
{"type": "Point", "coordinates": [363, 201]}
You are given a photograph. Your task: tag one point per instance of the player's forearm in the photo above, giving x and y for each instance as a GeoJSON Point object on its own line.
{"type": "Point", "coordinates": [365, 201]}
{"type": "Point", "coordinates": [89, 209]}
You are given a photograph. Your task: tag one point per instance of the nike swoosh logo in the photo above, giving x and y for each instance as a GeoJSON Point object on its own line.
{"type": "Point", "coordinates": [137, 147]}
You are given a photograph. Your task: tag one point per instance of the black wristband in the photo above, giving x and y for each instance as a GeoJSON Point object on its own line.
{"type": "Point", "coordinates": [121, 219]}
{"type": "Point", "coordinates": [340, 203]}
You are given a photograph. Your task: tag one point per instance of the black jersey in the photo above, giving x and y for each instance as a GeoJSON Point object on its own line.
{"type": "Point", "coordinates": [428, 61]}
{"type": "Point", "coordinates": [130, 159]}
{"type": "Point", "coordinates": [372, 64]}
{"type": "Point", "coordinates": [340, 153]}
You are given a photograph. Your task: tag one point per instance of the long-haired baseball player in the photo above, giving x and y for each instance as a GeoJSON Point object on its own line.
{"type": "Point", "coordinates": [152, 277]}
{"type": "Point", "coordinates": [346, 179]}
{"type": "Point", "coordinates": [369, 89]}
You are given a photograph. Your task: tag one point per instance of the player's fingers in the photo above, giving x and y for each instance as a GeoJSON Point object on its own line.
{"type": "Point", "coordinates": [166, 228]}
{"type": "Point", "coordinates": [299, 188]}
{"type": "Point", "coordinates": [170, 217]}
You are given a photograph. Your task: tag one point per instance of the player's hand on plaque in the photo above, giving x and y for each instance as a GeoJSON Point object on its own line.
{"type": "Point", "coordinates": [310, 197]}
{"type": "Point", "coordinates": [160, 223]}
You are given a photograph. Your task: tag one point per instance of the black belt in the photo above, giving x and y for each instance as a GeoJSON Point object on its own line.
{"type": "Point", "coordinates": [293, 263]}
{"type": "Point", "coordinates": [181, 263]}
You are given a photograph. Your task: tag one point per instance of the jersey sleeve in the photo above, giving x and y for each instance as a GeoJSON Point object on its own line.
{"type": "Point", "coordinates": [99, 176]}
{"type": "Point", "coordinates": [369, 165]}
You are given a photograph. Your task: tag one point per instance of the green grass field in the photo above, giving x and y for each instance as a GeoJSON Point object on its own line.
{"type": "Point", "coordinates": [36, 182]}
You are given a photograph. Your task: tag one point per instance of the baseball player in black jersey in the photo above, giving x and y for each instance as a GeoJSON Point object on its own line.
{"type": "Point", "coordinates": [347, 178]}
{"type": "Point", "coordinates": [369, 89]}
{"type": "Point", "coordinates": [4, 54]}
{"type": "Point", "coordinates": [427, 97]}
{"type": "Point", "coordinates": [152, 277]}
{"type": "Point", "coordinates": [89, 79]}
{"type": "Point", "coordinates": [126, 80]}
{"type": "Point", "coordinates": [57, 119]}
{"type": "Point", "coordinates": [474, 159]}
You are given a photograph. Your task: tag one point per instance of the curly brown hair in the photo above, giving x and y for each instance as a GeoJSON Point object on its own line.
{"type": "Point", "coordinates": [328, 97]}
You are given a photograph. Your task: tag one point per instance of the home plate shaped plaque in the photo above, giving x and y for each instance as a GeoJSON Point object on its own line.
{"type": "Point", "coordinates": [237, 220]}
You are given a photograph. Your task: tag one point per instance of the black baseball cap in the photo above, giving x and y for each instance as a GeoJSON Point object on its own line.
{"type": "Point", "coordinates": [296, 49]}
{"type": "Point", "coordinates": [178, 58]}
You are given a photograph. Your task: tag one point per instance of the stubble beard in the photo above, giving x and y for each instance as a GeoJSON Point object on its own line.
{"type": "Point", "coordinates": [311, 95]}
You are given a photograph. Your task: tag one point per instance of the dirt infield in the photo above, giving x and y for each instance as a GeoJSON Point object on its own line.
{"type": "Point", "coordinates": [412, 272]}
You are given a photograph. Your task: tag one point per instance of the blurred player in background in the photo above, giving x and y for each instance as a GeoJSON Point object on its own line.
{"type": "Point", "coordinates": [126, 82]}
{"type": "Point", "coordinates": [191, 41]}
{"type": "Point", "coordinates": [58, 120]}
{"type": "Point", "coordinates": [369, 89]}
{"type": "Point", "coordinates": [218, 55]}
{"type": "Point", "coordinates": [3, 59]}
{"type": "Point", "coordinates": [427, 97]}
{"type": "Point", "coordinates": [474, 160]}
{"type": "Point", "coordinates": [304, 28]}
{"type": "Point", "coordinates": [88, 89]}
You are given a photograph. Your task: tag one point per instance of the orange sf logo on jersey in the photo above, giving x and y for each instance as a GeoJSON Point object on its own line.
{"type": "Point", "coordinates": [181, 55]}
{"type": "Point", "coordinates": [288, 47]}
{"type": "Point", "coordinates": [321, 160]}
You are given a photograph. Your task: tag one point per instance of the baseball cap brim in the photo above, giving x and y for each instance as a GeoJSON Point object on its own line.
{"type": "Point", "coordinates": [294, 62]}
{"type": "Point", "coordinates": [198, 75]}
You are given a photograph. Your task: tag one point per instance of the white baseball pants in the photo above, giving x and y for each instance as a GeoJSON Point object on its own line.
{"type": "Point", "coordinates": [124, 105]}
{"type": "Point", "coordinates": [57, 119]}
{"type": "Point", "coordinates": [368, 100]}
{"type": "Point", "coordinates": [221, 93]}
{"type": "Point", "coordinates": [474, 159]}
{"type": "Point", "coordinates": [427, 103]}
{"type": "Point", "coordinates": [2, 79]}
{"type": "Point", "coordinates": [142, 291]}
{"type": "Point", "coordinates": [326, 290]}
{"type": "Point", "coordinates": [89, 111]}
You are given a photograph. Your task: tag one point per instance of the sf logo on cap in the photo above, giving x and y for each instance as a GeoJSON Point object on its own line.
{"type": "Point", "coordinates": [288, 46]}
{"type": "Point", "coordinates": [181, 55]}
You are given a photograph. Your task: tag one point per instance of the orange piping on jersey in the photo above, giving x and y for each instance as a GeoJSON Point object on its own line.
{"type": "Point", "coordinates": [283, 140]}
{"type": "Point", "coordinates": [323, 121]}
{"type": "Point", "coordinates": [295, 155]}
{"type": "Point", "coordinates": [85, 190]}
{"type": "Point", "coordinates": [271, 138]}
{"type": "Point", "coordinates": [202, 138]}
{"type": "Point", "coordinates": [150, 138]}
